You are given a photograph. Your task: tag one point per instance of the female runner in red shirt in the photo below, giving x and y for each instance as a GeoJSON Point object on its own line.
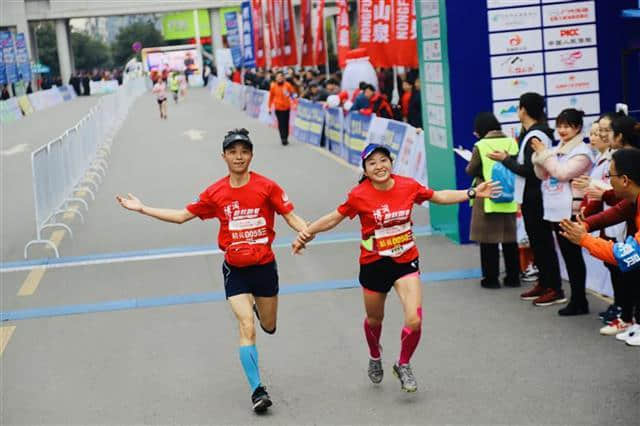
{"type": "Point", "coordinates": [388, 253]}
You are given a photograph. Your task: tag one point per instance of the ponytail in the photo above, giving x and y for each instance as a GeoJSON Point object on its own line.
{"type": "Point", "coordinates": [629, 128]}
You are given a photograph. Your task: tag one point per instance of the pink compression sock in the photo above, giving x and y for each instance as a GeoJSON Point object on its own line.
{"type": "Point", "coordinates": [373, 338]}
{"type": "Point", "coordinates": [409, 342]}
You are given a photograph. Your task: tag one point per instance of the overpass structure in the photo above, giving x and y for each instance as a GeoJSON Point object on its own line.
{"type": "Point", "coordinates": [17, 16]}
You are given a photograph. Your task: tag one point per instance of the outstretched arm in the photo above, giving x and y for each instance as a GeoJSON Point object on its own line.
{"type": "Point", "coordinates": [484, 190]}
{"type": "Point", "coordinates": [168, 215]}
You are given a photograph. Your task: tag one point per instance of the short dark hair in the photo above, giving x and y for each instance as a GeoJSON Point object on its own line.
{"type": "Point", "coordinates": [484, 123]}
{"type": "Point", "coordinates": [362, 85]}
{"type": "Point", "coordinates": [629, 128]}
{"type": "Point", "coordinates": [370, 87]}
{"type": "Point", "coordinates": [626, 162]}
{"type": "Point", "coordinates": [572, 117]}
{"type": "Point", "coordinates": [332, 81]}
{"type": "Point", "coordinates": [533, 103]}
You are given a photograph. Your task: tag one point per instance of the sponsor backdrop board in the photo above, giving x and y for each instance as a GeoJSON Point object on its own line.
{"type": "Point", "coordinates": [562, 49]}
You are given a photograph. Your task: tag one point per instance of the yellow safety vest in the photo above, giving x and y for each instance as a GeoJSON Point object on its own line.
{"type": "Point", "coordinates": [485, 146]}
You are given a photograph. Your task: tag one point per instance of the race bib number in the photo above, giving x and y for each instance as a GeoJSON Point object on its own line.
{"type": "Point", "coordinates": [249, 230]}
{"type": "Point", "coordinates": [394, 241]}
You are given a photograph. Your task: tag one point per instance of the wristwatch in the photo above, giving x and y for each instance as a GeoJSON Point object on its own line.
{"type": "Point", "coordinates": [471, 193]}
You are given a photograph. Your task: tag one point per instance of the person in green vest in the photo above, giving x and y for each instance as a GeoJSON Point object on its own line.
{"type": "Point", "coordinates": [493, 221]}
{"type": "Point", "coordinates": [174, 85]}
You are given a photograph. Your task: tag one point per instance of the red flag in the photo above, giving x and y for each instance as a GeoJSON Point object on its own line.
{"type": "Point", "coordinates": [403, 43]}
{"type": "Point", "coordinates": [305, 33]}
{"type": "Point", "coordinates": [319, 49]}
{"type": "Point", "coordinates": [344, 37]}
{"type": "Point", "coordinates": [289, 48]}
{"type": "Point", "coordinates": [274, 31]}
{"type": "Point", "coordinates": [258, 35]}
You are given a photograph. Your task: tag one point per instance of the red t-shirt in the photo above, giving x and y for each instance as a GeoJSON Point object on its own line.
{"type": "Point", "coordinates": [246, 213]}
{"type": "Point", "coordinates": [385, 217]}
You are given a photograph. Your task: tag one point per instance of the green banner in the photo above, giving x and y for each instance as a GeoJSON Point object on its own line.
{"type": "Point", "coordinates": [181, 25]}
{"type": "Point", "coordinates": [436, 110]}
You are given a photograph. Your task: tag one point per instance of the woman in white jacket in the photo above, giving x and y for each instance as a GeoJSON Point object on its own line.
{"type": "Point", "coordinates": [557, 167]}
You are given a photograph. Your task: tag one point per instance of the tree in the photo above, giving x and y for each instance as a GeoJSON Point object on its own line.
{"type": "Point", "coordinates": [144, 32]}
{"type": "Point", "coordinates": [89, 52]}
{"type": "Point", "coordinates": [47, 49]}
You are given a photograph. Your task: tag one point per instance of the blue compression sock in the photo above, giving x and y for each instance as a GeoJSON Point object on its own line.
{"type": "Point", "coordinates": [249, 360]}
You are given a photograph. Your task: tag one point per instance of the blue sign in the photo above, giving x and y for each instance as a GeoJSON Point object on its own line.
{"type": "Point", "coordinates": [301, 123]}
{"type": "Point", "coordinates": [356, 129]}
{"type": "Point", "coordinates": [394, 136]}
{"type": "Point", "coordinates": [233, 38]}
{"type": "Point", "coordinates": [40, 68]}
{"type": "Point", "coordinates": [248, 52]}
{"type": "Point", "coordinates": [8, 57]}
{"type": "Point", "coordinates": [333, 131]}
{"type": "Point", "coordinates": [22, 57]}
{"type": "Point", "coordinates": [316, 123]}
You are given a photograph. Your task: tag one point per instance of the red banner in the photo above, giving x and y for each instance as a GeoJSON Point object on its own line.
{"type": "Point", "coordinates": [388, 32]}
{"type": "Point", "coordinates": [306, 34]}
{"type": "Point", "coordinates": [258, 34]}
{"type": "Point", "coordinates": [344, 37]}
{"type": "Point", "coordinates": [319, 49]}
{"type": "Point", "coordinates": [274, 25]}
{"type": "Point", "coordinates": [289, 48]}
{"type": "Point", "coordinates": [404, 33]}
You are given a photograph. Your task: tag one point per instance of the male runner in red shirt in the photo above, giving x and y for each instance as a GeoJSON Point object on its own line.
{"type": "Point", "coordinates": [245, 203]}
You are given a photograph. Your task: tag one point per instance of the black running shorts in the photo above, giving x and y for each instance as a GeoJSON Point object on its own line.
{"type": "Point", "coordinates": [380, 275]}
{"type": "Point", "coordinates": [259, 280]}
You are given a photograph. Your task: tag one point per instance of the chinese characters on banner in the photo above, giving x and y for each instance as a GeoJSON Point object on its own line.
{"type": "Point", "coordinates": [388, 31]}
{"type": "Point", "coordinates": [248, 52]}
{"type": "Point", "coordinates": [344, 43]}
{"type": "Point", "coordinates": [233, 37]}
{"type": "Point", "coordinates": [258, 33]}
{"type": "Point", "coordinates": [319, 47]}
{"type": "Point", "coordinates": [22, 58]}
{"type": "Point", "coordinates": [289, 50]}
{"type": "Point", "coordinates": [305, 33]}
{"type": "Point", "coordinates": [547, 48]}
{"type": "Point", "coordinates": [274, 33]}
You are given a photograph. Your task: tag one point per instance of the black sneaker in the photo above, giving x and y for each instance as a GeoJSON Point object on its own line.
{"type": "Point", "coordinates": [260, 399]}
{"type": "Point", "coordinates": [573, 309]}
{"type": "Point", "coordinates": [612, 312]}
{"type": "Point", "coordinates": [285, 142]}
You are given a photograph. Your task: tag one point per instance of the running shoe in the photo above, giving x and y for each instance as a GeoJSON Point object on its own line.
{"type": "Point", "coordinates": [407, 380]}
{"type": "Point", "coordinates": [375, 371]}
{"type": "Point", "coordinates": [550, 297]}
{"type": "Point", "coordinates": [630, 332]}
{"type": "Point", "coordinates": [533, 293]}
{"type": "Point", "coordinates": [260, 400]}
{"type": "Point", "coordinates": [634, 340]}
{"type": "Point", "coordinates": [530, 274]}
{"type": "Point", "coordinates": [614, 327]}
{"type": "Point", "coordinates": [612, 312]}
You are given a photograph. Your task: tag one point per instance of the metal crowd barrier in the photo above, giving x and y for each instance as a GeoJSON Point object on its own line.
{"type": "Point", "coordinates": [77, 161]}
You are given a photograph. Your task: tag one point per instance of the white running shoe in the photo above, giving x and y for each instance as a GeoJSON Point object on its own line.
{"type": "Point", "coordinates": [630, 332]}
{"type": "Point", "coordinates": [615, 327]}
{"type": "Point", "coordinates": [634, 340]}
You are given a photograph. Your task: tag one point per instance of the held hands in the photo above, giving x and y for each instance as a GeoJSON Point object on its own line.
{"type": "Point", "coordinates": [130, 203]}
{"type": "Point", "coordinates": [301, 241]}
{"type": "Point", "coordinates": [498, 155]}
{"type": "Point", "coordinates": [573, 231]}
{"type": "Point", "coordinates": [489, 189]}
